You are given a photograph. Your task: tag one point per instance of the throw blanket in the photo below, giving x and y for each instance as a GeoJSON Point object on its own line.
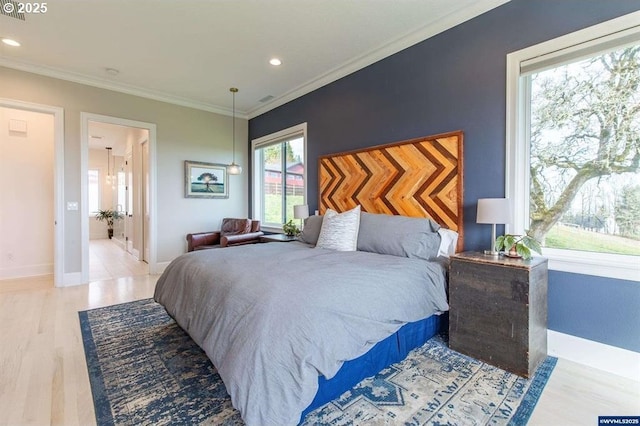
{"type": "Point", "coordinates": [272, 317]}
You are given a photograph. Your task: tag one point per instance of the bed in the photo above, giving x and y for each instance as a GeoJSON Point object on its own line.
{"type": "Point", "coordinates": [290, 326]}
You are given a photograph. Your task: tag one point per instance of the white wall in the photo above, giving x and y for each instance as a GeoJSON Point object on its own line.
{"type": "Point", "coordinates": [26, 194]}
{"type": "Point", "coordinates": [182, 134]}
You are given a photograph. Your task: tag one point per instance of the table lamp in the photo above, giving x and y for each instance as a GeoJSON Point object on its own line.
{"type": "Point", "coordinates": [301, 212]}
{"type": "Point", "coordinates": [493, 211]}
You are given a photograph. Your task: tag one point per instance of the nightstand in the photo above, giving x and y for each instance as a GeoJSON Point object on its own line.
{"type": "Point", "coordinates": [282, 238]}
{"type": "Point", "coordinates": [498, 310]}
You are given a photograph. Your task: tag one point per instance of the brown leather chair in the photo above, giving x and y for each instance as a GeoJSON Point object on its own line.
{"type": "Point", "coordinates": [232, 232]}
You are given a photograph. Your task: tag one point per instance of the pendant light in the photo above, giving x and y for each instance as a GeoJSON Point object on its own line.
{"type": "Point", "coordinates": [108, 165]}
{"type": "Point", "coordinates": [233, 168]}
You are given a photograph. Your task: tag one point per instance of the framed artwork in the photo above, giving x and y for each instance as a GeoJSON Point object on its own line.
{"type": "Point", "coordinates": [205, 180]}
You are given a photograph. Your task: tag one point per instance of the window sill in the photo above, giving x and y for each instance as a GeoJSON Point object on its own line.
{"type": "Point", "coordinates": [622, 267]}
{"type": "Point", "coordinates": [274, 229]}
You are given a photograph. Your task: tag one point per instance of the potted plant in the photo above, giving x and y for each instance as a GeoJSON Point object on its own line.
{"type": "Point", "coordinates": [518, 245]}
{"type": "Point", "coordinates": [290, 228]}
{"type": "Point", "coordinates": [108, 216]}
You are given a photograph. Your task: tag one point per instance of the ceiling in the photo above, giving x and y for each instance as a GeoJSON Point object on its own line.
{"type": "Point", "coordinates": [190, 52]}
{"type": "Point", "coordinates": [103, 135]}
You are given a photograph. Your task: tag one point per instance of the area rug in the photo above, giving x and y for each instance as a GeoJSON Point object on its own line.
{"type": "Point", "coordinates": [144, 369]}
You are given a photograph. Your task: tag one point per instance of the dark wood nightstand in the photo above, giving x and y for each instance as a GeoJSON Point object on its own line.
{"type": "Point", "coordinates": [498, 310]}
{"type": "Point", "coordinates": [282, 238]}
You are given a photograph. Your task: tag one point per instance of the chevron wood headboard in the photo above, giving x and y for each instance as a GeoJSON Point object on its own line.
{"type": "Point", "coordinates": [418, 178]}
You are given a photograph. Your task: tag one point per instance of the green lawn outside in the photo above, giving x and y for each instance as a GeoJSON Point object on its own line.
{"type": "Point", "coordinates": [273, 207]}
{"type": "Point", "coordinates": [564, 237]}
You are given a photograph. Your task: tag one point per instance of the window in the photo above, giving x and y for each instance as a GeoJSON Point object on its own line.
{"type": "Point", "coordinates": [94, 191]}
{"type": "Point", "coordinates": [573, 148]}
{"type": "Point", "coordinates": [279, 175]}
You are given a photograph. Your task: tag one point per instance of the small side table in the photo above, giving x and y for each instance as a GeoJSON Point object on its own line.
{"type": "Point", "coordinates": [498, 310]}
{"type": "Point", "coordinates": [279, 238]}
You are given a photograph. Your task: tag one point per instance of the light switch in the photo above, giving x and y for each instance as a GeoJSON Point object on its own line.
{"type": "Point", "coordinates": [72, 205]}
{"type": "Point", "coordinates": [19, 126]}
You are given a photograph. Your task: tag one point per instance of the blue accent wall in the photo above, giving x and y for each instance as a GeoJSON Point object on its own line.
{"type": "Point", "coordinates": [595, 308]}
{"type": "Point", "coordinates": [457, 81]}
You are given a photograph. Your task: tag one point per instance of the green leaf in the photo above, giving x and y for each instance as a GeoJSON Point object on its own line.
{"type": "Point", "coordinates": [509, 241]}
{"type": "Point", "coordinates": [523, 251]}
{"type": "Point", "coordinates": [533, 244]}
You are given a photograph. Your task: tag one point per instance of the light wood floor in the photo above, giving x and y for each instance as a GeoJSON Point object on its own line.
{"type": "Point", "coordinates": [107, 260]}
{"type": "Point", "coordinates": [43, 374]}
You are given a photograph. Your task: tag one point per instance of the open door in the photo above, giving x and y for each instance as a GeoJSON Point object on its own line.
{"type": "Point", "coordinates": [146, 202]}
{"type": "Point", "coordinates": [129, 233]}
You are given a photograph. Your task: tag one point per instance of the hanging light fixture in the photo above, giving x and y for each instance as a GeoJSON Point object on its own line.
{"type": "Point", "coordinates": [108, 164]}
{"type": "Point", "coordinates": [233, 168]}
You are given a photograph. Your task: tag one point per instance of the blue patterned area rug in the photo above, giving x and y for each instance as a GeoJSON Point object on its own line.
{"type": "Point", "coordinates": [144, 369]}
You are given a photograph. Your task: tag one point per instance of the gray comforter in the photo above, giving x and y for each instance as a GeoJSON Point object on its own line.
{"type": "Point", "coordinates": [272, 317]}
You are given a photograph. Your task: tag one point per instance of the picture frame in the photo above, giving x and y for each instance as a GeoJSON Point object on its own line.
{"type": "Point", "coordinates": [205, 180]}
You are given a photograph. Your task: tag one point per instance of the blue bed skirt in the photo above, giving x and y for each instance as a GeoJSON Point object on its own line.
{"type": "Point", "coordinates": [393, 349]}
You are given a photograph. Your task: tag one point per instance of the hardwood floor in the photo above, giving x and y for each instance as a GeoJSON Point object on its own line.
{"type": "Point", "coordinates": [43, 374]}
{"type": "Point", "coordinates": [44, 380]}
{"type": "Point", "coordinates": [107, 260]}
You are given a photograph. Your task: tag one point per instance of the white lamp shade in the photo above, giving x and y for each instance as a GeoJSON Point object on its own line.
{"type": "Point", "coordinates": [494, 210]}
{"type": "Point", "coordinates": [234, 169]}
{"type": "Point", "coordinates": [301, 211]}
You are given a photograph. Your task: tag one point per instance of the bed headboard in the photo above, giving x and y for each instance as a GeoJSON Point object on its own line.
{"type": "Point", "coordinates": [418, 178]}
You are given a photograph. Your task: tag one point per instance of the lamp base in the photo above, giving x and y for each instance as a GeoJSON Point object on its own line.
{"type": "Point", "coordinates": [491, 253]}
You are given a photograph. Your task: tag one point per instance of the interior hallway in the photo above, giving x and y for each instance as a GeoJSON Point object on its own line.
{"type": "Point", "coordinates": [107, 260]}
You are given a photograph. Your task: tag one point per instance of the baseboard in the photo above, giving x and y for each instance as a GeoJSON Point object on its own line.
{"type": "Point", "coordinates": [612, 359]}
{"type": "Point", "coordinates": [119, 243]}
{"type": "Point", "coordinates": [70, 279]}
{"type": "Point", "coordinates": [26, 271]}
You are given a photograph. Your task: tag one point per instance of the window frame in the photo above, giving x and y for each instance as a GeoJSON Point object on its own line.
{"type": "Point", "coordinates": [99, 172]}
{"type": "Point", "coordinates": [299, 130]}
{"type": "Point", "coordinates": [517, 148]}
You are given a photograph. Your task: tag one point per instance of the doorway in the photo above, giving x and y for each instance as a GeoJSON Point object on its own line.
{"type": "Point", "coordinates": [116, 185]}
{"type": "Point", "coordinates": [121, 153]}
{"type": "Point", "coordinates": [23, 120]}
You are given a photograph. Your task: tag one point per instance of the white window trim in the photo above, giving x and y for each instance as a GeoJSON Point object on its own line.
{"type": "Point", "coordinates": [297, 130]}
{"type": "Point", "coordinates": [517, 177]}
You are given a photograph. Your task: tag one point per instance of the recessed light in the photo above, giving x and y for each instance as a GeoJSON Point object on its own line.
{"type": "Point", "coordinates": [275, 62]}
{"type": "Point", "coordinates": [10, 42]}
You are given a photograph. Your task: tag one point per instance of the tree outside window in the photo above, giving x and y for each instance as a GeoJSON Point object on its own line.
{"type": "Point", "coordinates": [585, 154]}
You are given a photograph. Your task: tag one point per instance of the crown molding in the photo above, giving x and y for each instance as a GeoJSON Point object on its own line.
{"type": "Point", "coordinates": [117, 87]}
{"type": "Point", "coordinates": [394, 46]}
{"type": "Point", "coordinates": [356, 64]}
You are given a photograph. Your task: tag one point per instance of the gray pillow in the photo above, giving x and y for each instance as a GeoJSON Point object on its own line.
{"type": "Point", "coordinates": [311, 230]}
{"type": "Point", "coordinates": [399, 236]}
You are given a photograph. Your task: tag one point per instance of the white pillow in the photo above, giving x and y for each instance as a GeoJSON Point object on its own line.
{"type": "Point", "coordinates": [340, 230]}
{"type": "Point", "coordinates": [448, 242]}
